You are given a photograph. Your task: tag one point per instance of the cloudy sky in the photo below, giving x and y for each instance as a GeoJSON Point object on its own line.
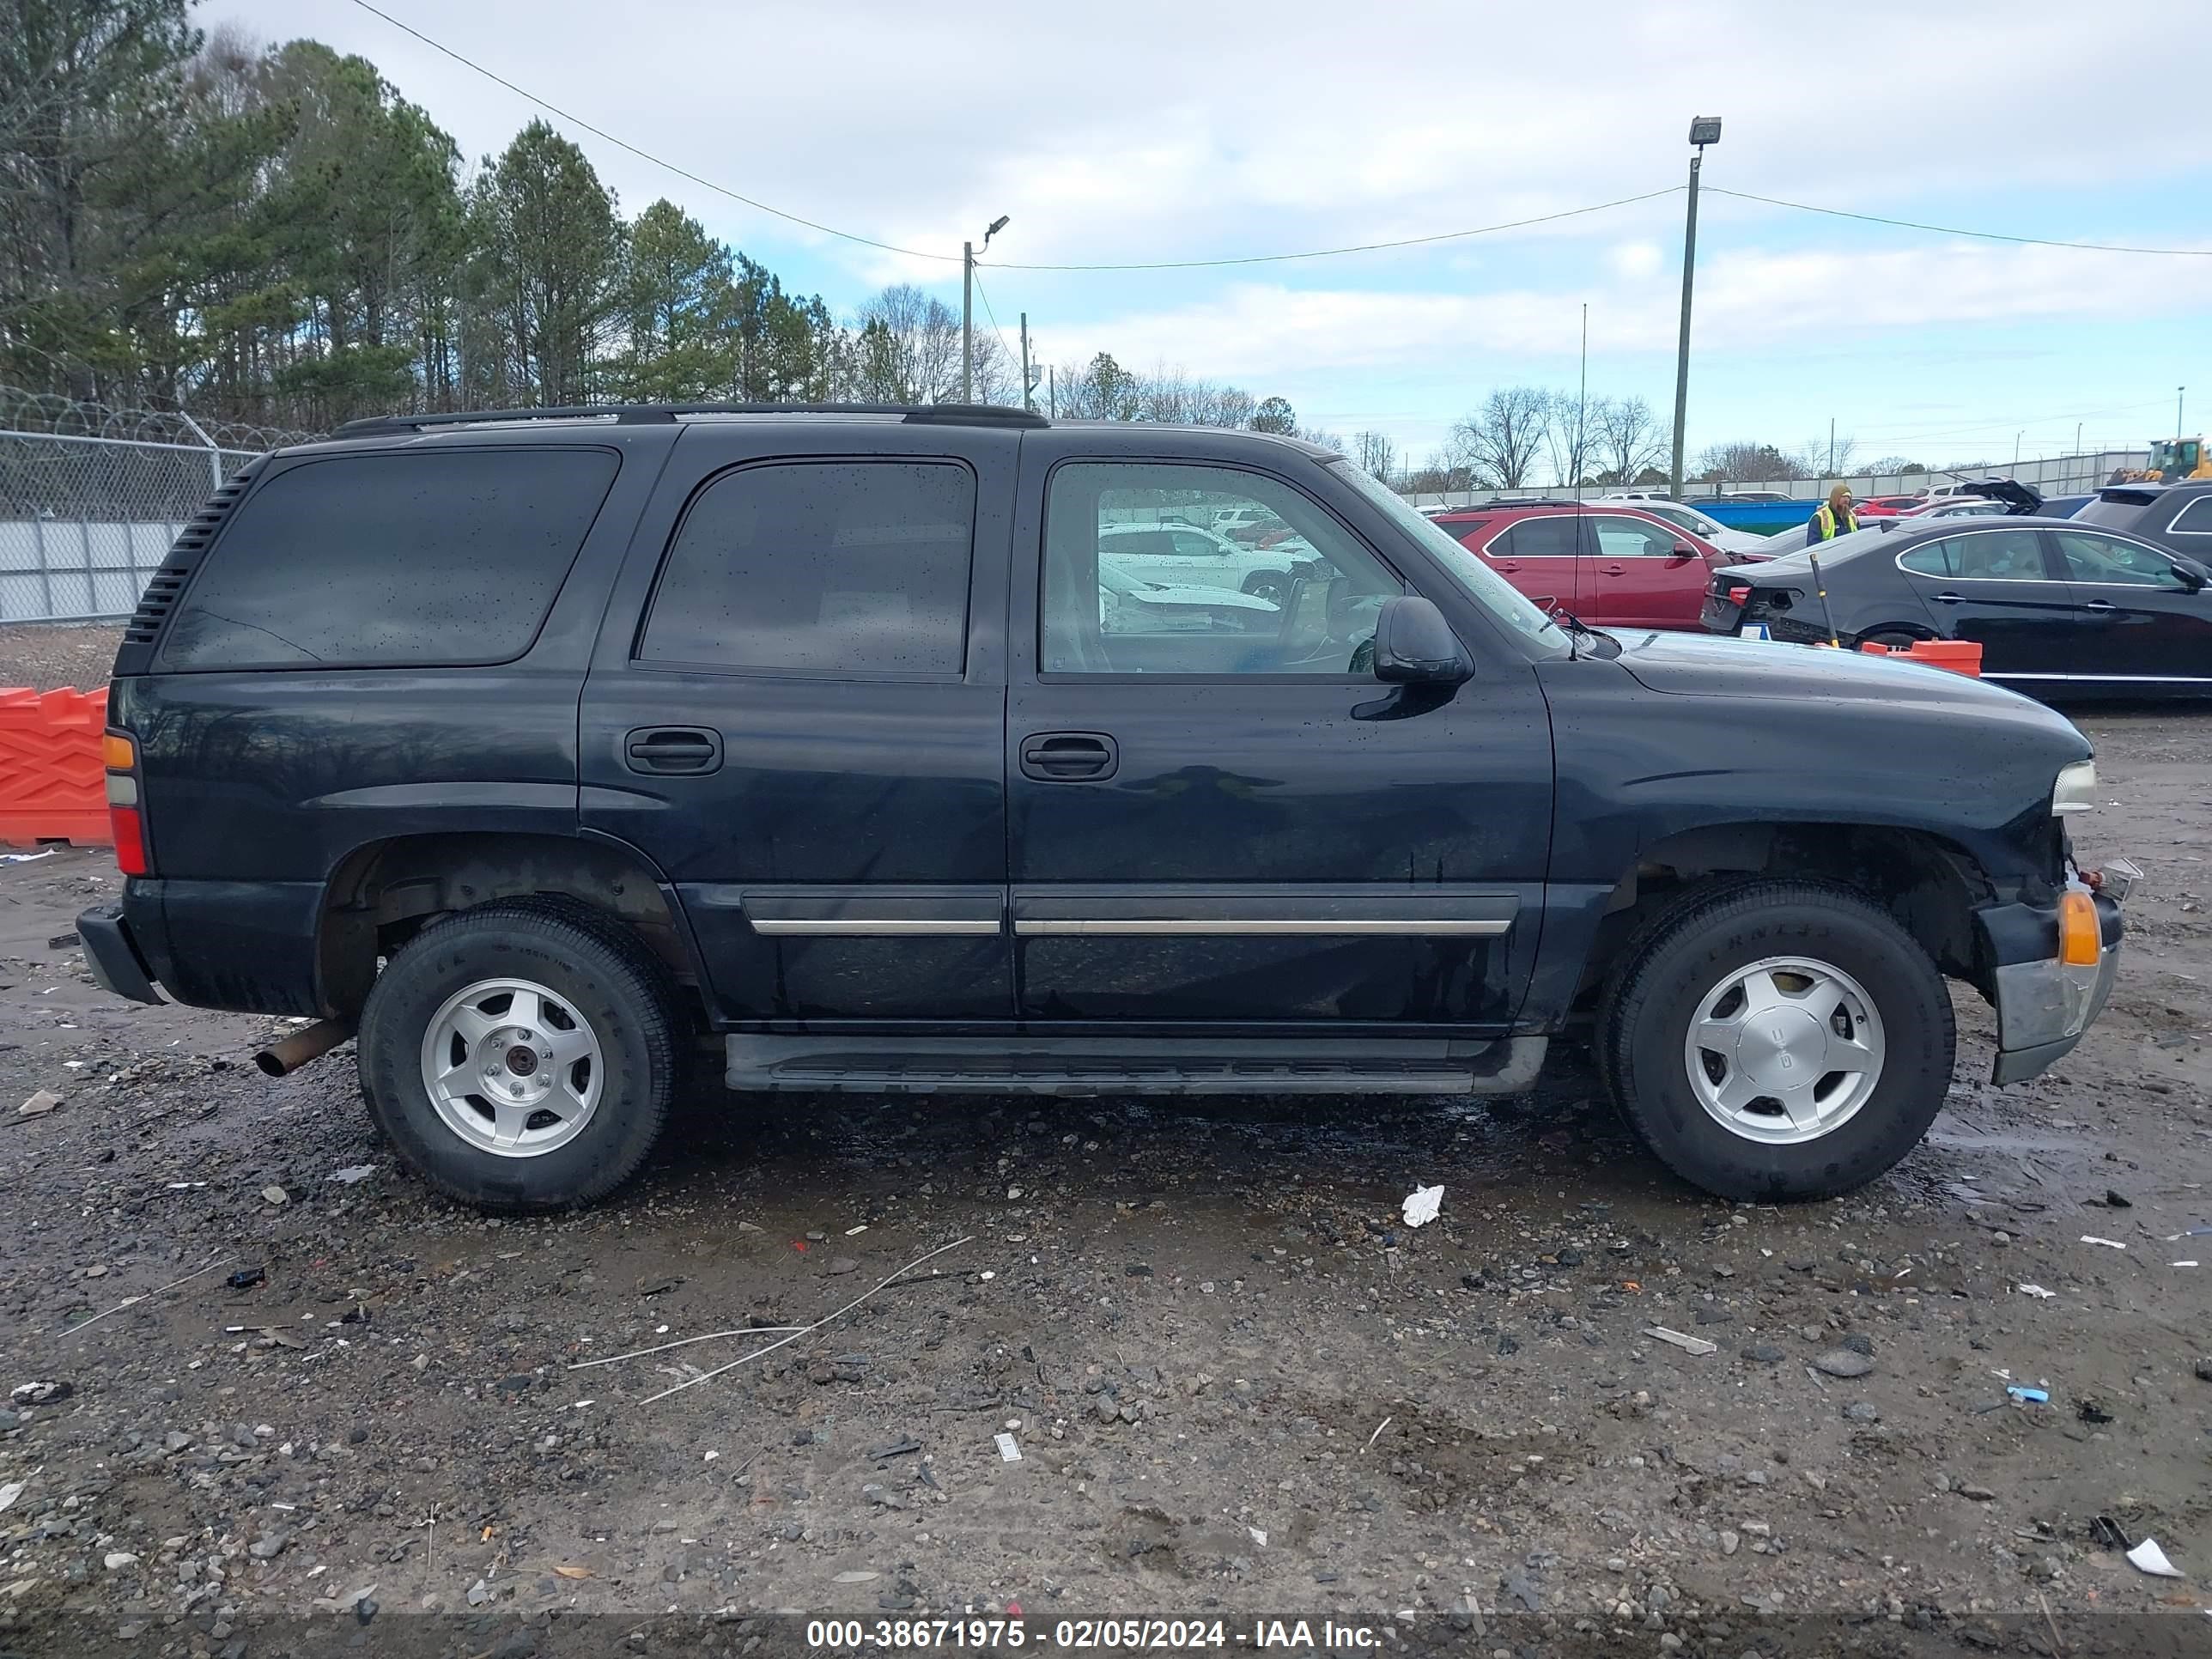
{"type": "Point", "coordinates": [1215, 130]}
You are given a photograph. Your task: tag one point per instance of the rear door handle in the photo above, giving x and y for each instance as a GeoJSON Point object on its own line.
{"type": "Point", "coordinates": [1509, 565]}
{"type": "Point", "coordinates": [2102, 607]}
{"type": "Point", "coordinates": [673, 751]}
{"type": "Point", "coordinates": [1946, 599]}
{"type": "Point", "coordinates": [1615, 570]}
{"type": "Point", "coordinates": [1070, 756]}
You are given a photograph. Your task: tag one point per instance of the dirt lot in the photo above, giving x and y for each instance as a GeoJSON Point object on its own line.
{"type": "Point", "coordinates": [45, 655]}
{"type": "Point", "coordinates": [1238, 1383]}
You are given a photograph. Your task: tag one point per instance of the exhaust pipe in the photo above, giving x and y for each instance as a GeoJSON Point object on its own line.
{"type": "Point", "coordinates": [296, 1050]}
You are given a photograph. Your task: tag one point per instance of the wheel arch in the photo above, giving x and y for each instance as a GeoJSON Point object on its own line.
{"type": "Point", "coordinates": [384, 891]}
{"type": "Point", "coordinates": [1930, 883]}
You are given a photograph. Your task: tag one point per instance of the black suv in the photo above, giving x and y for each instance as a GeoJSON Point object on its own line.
{"type": "Point", "coordinates": [546, 748]}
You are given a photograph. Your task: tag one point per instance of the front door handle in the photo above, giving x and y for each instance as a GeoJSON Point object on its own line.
{"type": "Point", "coordinates": [2102, 607]}
{"type": "Point", "coordinates": [1946, 599]}
{"type": "Point", "coordinates": [1069, 756]}
{"type": "Point", "coordinates": [1616, 570]}
{"type": "Point", "coordinates": [673, 751]}
{"type": "Point", "coordinates": [1509, 565]}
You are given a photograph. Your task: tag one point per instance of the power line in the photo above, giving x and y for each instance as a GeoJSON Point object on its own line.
{"type": "Point", "coordinates": [1953, 230]}
{"type": "Point", "coordinates": [647, 155]}
{"type": "Point", "coordinates": [754, 202]}
{"type": "Point", "coordinates": [1355, 248]}
{"type": "Point", "coordinates": [994, 316]}
{"type": "Point", "coordinates": [527, 96]}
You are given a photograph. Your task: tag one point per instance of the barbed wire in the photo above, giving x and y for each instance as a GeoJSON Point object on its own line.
{"type": "Point", "coordinates": [51, 412]}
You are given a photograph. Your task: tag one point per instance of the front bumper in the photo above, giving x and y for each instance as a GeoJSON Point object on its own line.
{"type": "Point", "coordinates": [2043, 1004]}
{"type": "Point", "coordinates": [114, 956]}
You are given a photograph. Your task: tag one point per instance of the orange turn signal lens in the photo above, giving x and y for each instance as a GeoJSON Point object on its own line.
{"type": "Point", "coordinates": [2079, 940]}
{"type": "Point", "coordinates": [118, 753]}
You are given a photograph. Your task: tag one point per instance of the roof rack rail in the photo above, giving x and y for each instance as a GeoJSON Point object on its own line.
{"type": "Point", "coordinates": [664, 413]}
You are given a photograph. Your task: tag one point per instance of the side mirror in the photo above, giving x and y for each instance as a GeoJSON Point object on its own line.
{"type": "Point", "coordinates": [1684, 551]}
{"type": "Point", "coordinates": [1415, 645]}
{"type": "Point", "coordinates": [2195, 575]}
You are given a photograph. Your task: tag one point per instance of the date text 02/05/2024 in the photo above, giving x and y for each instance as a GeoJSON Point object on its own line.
{"type": "Point", "coordinates": [1278, 1634]}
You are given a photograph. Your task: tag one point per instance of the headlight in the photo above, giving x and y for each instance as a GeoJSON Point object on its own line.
{"type": "Point", "coordinates": [2076, 788]}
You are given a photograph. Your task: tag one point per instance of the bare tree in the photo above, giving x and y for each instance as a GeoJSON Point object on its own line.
{"type": "Point", "coordinates": [1572, 437]}
{"type": "Point", "coordinates": [1746, 462]}
{"type": "Point", "coordinates": [1824, 457]}
{"type": "Point", "coordinates": [1377, 455]}
{"type": "Point", "coordinates": [925, 334]}
{"type": "Point", "coordinates": [1630, 438]}
{"type": "Point", "coordinates": [1500, 442]}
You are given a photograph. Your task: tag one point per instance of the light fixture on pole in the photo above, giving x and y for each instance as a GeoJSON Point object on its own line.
{"type": "Point", "coordinates": [968, 308]}
{"type": "Point", "coordinates": [1704, 129]}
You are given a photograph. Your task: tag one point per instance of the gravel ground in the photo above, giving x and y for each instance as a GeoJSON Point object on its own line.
{"type": "Point", "coordinates": [1239, 1385]}
{"type": "Point", "coordinates": [45, 655]}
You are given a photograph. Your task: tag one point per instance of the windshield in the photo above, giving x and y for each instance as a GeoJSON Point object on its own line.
{"type": "Point", "coordinates": [1483, 585]}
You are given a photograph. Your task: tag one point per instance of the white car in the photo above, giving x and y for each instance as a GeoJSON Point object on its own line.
{"type": "Point", "coordinates": [1130, 603]}
{"type": "Point", "coordinates": [1959, 507]}
{"type": "Point", "coordinates": [1178, 554]}
{"type": "Point", "coordinates": [1689, 518]}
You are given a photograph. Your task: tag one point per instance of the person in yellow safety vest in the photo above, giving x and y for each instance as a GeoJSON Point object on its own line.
{"type": "Point", "coordinates": [1832, 518]}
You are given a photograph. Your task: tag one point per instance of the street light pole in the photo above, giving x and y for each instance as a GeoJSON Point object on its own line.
{"type": "Point", "coordinates": [1704, 129]}
{"type": "Point", "coordinates": [968, 308]}
{"type": "Point", "coordinates": [2177, 393]}
{"type": "Point", "coordinates": [1028, 385]}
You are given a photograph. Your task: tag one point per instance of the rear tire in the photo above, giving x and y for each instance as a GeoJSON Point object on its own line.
{"type": "Point", "coordinates": [1895, 638]}
{"type": "Point", "coordinates": [523, 1056]}
{"type": "Point", "coordinates": [1777, 1039]}
{"type": "Point", "coordinates": [1269, 586]}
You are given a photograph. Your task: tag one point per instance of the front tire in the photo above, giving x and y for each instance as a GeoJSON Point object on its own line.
{"type": "Point", "coordinates": [522, 1055]}
{"type": "Point", "coordinates": [1774, 1040]}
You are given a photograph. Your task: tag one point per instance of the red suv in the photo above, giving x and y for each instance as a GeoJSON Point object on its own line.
{"type": "Point", "coordinates": [1607, 564]}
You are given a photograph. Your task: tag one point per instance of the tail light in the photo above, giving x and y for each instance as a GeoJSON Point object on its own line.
{"type": "Point", "coordinates": [1739, 593]}
{"type": "Point", "coordinates": [123, 822]}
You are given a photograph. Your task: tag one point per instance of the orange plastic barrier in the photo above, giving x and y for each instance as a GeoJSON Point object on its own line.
{"type": "Point", "coordinates": [1960, 656]}
{"type": "Point", "coordinates": [53, 785]}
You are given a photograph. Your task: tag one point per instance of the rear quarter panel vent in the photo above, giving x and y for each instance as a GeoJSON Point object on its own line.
{"type": "Point", "coordinates": [143, 631]}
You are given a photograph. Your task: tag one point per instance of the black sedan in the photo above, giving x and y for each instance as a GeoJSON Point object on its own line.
{"type": "Point", "coordinates": [2060, 608]}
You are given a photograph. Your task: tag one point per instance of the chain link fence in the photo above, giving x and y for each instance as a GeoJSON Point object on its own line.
{"type": "Point", "coordinates": [91, 498]}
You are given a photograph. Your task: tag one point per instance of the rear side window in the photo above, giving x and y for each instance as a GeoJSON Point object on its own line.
{"type": "Point", "coordinates": [1548, 537]}
{"type": "Point", "coordinates": [392, 561]}
{"type": "Point", "coordinates": [1931, 559]}
{"type": "Point", "coordinates": [855, 568]}
{"type": "Point", "coordinates": [2194, 520]}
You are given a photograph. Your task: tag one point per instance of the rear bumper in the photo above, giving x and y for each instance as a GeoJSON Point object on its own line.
{"type": "Point", "coordinates": [114, 956]}
{"type": "Point", "coordinates": [2043, 1004]}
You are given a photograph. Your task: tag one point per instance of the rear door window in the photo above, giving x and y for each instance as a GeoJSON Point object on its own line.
{"type": "Point", "coordinates": [848, 569]}
{"type": "Point", "coordinates": [2194, 520]}
{"type": "Point", "coordinates": [451, 557]}
{"type": "Point", "coordinates": [1549, 537]}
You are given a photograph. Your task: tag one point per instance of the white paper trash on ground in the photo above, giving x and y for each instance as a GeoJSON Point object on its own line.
{"type": "Point", "coordinates": [1009, 1449]}
{"type": "Point", "coordinates": [1422, 1204]}
{"type": "Point", "coordinates": [2152, 1559]}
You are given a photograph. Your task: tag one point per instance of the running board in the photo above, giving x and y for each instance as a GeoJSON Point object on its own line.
{"type": "Point", "coordinates": [1165, 1065]}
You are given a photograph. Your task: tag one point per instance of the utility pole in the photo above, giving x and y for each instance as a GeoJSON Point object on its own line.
{"type": "Point", "coordinates": [2177, 393]}
{"type": "Point", "coordinates": [968, 308]}
{"type": "Point", "coordinates": [1581, 410]}
{"type": "Point", "coordinates": [1051, 393]}
{"type": "Point", "coordinates": [1832, 446]}
{"type": "Point", "coordinates": [1028, 385]}
{"type": "Point", "coordinates": [2016, 437]}
{"type": "Point", "coordinates": [1704, 129]}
